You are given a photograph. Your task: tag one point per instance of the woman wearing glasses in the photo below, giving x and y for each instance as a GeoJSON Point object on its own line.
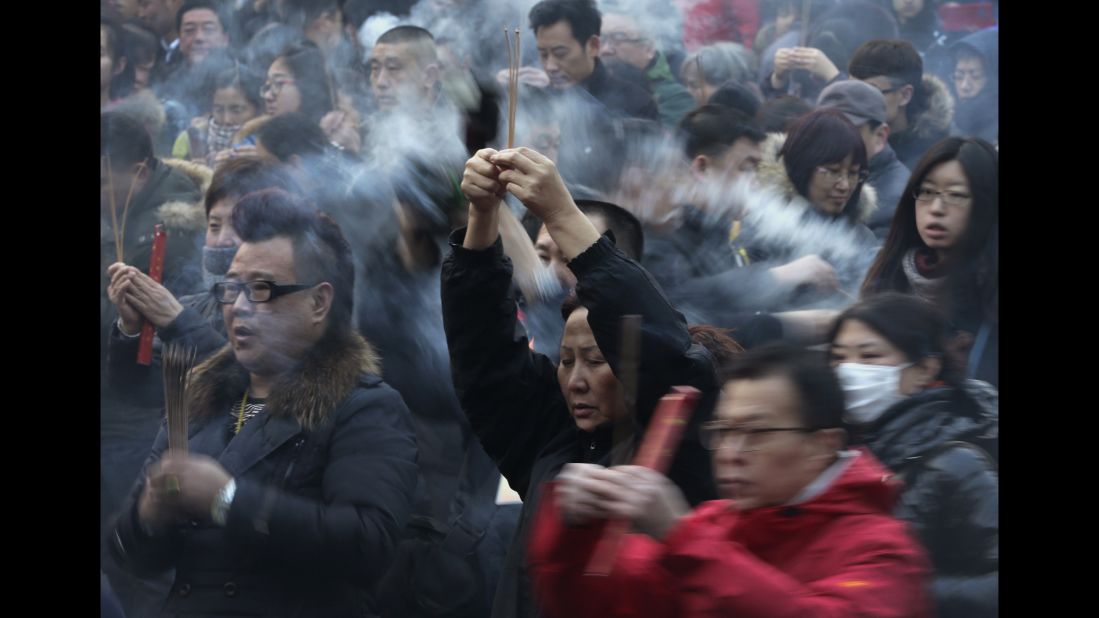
{"type": "Point", "coordinates": [910, 406]}
{"type": "Point", "coordinates": [944, 247]}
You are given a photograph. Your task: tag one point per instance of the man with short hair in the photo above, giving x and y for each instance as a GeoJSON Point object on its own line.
{"type": "Point", "coordinates": [804, 527]}
{"type": "Point", "coordinates": [567, 36]}
{"type": "Point", "coordinates": [404, 69]}
{"type": "Point", "coordinates": [919, 109]}
{"type": "Point", "coordinates": [201, 30]}
{"type": "Point", "coordinates": [300, 462]}
{"type": "Point", "coordinates": [623, 38]}
{"type": "Point", "coordinates": [159, 16]}
{"type": "Point", "coordinates": [864, 106]}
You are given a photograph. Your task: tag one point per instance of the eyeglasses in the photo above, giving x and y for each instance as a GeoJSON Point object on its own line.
{"type": "Point", "coordinates": [619, 37]}
{"type": "Point", "coordinates": [274, 88]}
{"type": "Point", "coordinates": [226, 292]}
{"type": "Point", "coordinates": [973, 76]}
{"type": "Point", "coordinates": [718, 435]}
{"type": "Point", "coordinates": [834, 176]}
{"type": "Point", "coordinates": [949, 198]}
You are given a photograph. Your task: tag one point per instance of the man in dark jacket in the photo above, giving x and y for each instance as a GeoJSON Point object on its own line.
{"type": "Point", "coordinates": [918, 106]}
{"type": "Point", "coordinates": [300, 462]}
{"type": "Point", "coordinates": [567, 34]}
{"type": "Point", "coordinates": [864, 106]}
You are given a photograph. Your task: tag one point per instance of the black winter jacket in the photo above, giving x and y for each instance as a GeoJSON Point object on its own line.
{"type": "Point", "coordinates": [951, 494]}
{"type": "Point", "coordinates": [512, 397]}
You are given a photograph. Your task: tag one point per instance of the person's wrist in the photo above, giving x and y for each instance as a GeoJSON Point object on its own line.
{"type": "Point", "coordinates": [125, 333]}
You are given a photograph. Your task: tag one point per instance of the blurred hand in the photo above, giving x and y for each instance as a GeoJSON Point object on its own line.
{"type": "Point", "coordinates": [153, 300]}
{"type": "Point", "coordinates": [814, 61]}
{"type": "Point", "coordinates": [198, 479]}
{"type": "Point", "coordinates": [532, 76]}
{"type": "Point", "coordinates": [118, 292]}
{"type": "Point", "coordinates": [642, 496]}
{"type": "Point", "coordinates": [341, 128]}
{"type": "Point", "coordinates": [481, 181]}
{"type": "Point", "coordinates": [234, 152]}
{"type": "Point", "coordinates": [534, 180]}
{"type": "Point", "coordinates": [808, 270]}
{"type": "Point", "coordinates": [786, 59]}
{"type": "Point", "coordinates": [581, 493]}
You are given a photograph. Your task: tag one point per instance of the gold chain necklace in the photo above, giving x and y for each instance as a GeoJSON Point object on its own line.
{"type": "Point", "coordinates": [240, 417]}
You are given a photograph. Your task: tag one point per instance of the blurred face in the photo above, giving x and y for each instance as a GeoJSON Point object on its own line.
{"type": "Point", "coordinates": [742, 158]}
{"type": "Point", "coordinates": [158, 15]}
{"type": "Point", "coordinates": [268, 338]}
{"type": "Point", "coordinates": [280, 92]}
{"type": "Point", "coordinates": [969, 77]}
{"type": "Point", "coordinates": [593, 394]}
{"type": "Point", "coordinates": [219, 226]}
{"type": "Point", "coordinates": [620, 38]}
{"type": "Point", "coordinates": [142, 72]}
{"type": "Point", "coordinates": [546, 139]}
{"type": "Point", "coordinates": [552, 257]}
{"type": "Point", "coordinates": [896, 96]}
{"type": "Point", "coordinates": [125, 9]}
{"type": "Point", "coordinates": [200, 32]}
{"type": "Point", "coordinates": [907, 9]}
{"type": "Point", "coordinates": [106, 64]}
{"type": "Point", "coordinates": [857, 343]}
{"type": "Point", "coordinates": [831, 186]}
{"type": "Point", "coordinates": [397, 79]}
{"type": "Point", "coordinates": [696, 85]}
{"type": "Point", "coordinates": [941, 224]}
{"type": "Point", "coordinates": [565, 60]}
{"type": "Point", "coordinates": [231, 108]}
{"type": "Point", "coordinates": [766, 469]}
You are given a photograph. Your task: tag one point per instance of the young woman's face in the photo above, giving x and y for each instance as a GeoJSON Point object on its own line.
{"type": "Point", "coordinates": [969, 77]}
{"type": "Point", "coordinates": [280, 93]}
{"type": "Point", "coordinates": [219, 226]}
{"type": "Point", "coordinates": [943, 206]}
{"type": "Point", "coordinates": [831, 185]}
{"type": "Point", "coordinates": [696, 84]}
{"type": "Point", "coordinates": [232, 108]}
{"type": "Point", "coordinates": [857, 343]}
{"type": "Point", "coordinates": [592, 392]}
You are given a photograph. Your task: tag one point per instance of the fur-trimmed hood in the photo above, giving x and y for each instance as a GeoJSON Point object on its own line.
{"type": "Point", "coordinates": [936, 119]}
{"type": "Point", "coordinates": [309, 393]}
{"type": "Point", "coordinates": [183, 216]}
{"type": "Point", "coordinates": [772, 173]}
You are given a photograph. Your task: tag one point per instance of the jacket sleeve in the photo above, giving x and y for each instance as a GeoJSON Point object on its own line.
{"type": "Point", "coordinates": [367, 484]}
{"type": "Point", "coordinates": [611, 286]}
{"type": "Point", "coordinates": [508, 392]}
{"type": "Point", "coordinates": [970, 492]}
{"type": "Point", "coordinates": [697, 571]}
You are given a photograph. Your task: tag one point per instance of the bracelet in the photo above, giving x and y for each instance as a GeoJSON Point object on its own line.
{"type": "Point", "coordinates": [219, 510]}
{"type": "Point", "coordinates": [124, 333]}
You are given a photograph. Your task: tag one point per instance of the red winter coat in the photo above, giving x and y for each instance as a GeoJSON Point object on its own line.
{"type": "Point", "coordinates": [713, 21]}
{"type": "Point", "coordinates": [839, 554]}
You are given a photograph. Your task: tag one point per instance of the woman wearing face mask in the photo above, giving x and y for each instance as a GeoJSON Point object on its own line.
{"type": "Point", "coordinates": [907, 402]}
{"type": "Point", "coordinates": [943, 245]}
{"type": "Point", "coordinates": [194, 319]}
{"type": "Point", "coordinates": [236, 101]}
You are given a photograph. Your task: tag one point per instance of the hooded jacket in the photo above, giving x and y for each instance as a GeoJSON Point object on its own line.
{"type": "Point", "coordinates": [324, 475]}
{"type": "Point", "coordinates": [926, 127]}
{"type": "Point", "coordinates": [980, 115]}
{"type": "Point", "coordinates": [951, 492]}
{"type": "Point", "coordinates": [840, 553]}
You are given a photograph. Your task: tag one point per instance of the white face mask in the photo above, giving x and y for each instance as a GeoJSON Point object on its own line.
{"type": "Point", "coordinates": [870, 390]}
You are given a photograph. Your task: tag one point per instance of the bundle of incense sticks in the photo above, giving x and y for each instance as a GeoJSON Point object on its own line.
{"type": "Point", "coordinates": [177, 361]}
{"type": "Point", "coordinates": [514, 62]}
{"type": "Point", "coordinates": [661, 441]}
{"type": "Point", "coordinates": [156, 272]}
{"type": "Point", "coordinates": [629, 359]}
{"type": "Point", "coordinates": [806, 5]}
{"type": "Point", "coordinates": [118, 224]}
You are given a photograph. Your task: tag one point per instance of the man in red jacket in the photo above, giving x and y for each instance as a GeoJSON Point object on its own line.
{"type": "Point", "coordinates": [805, 529]}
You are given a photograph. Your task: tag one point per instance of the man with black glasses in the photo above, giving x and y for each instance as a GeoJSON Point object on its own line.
{"type": "Point", "coordinates": [300, 463]}
{"type": "Point", "coordinates": [804, 528]}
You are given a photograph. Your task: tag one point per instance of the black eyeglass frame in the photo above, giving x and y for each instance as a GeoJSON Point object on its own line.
{"type": "Point", "coordinates": [219, 289]}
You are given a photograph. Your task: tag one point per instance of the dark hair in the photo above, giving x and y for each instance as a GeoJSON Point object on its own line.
{"type": "Point", "coordinates": [122, 83]}
{"type": "Point", "coordinates": [737, 96]}
{"type": "Point", "coordinates": [822, 137]}
{"type": "Point", "coordinates": [843, 28]}
{"type": "Point", "coordinates": [975, 269]}
{"type": "Point", "coordinates": [419, 41]}
{"type": "Point", "coordinates": [778, 114]}
{"type": "Point", "coordinates": [244, 78]}
{"type": "Point", "coordinates": [243, 175]}
{"type": "Point", "coordinates": [926, 21]}
{"type": "Point", "coordinates": [321, 253]}
{"type": "Point", "coordinates": [306, 62]}
{"type": "Point", "coordinates": [898, 60]}
{"type": "Point", "coordinates": [912, 325]}
{"type": "Point", "coordinates": [124, 140]}
{"type": "Point", "coordinates": [141, 44]}
{"type": "Point", "coordinates": [270, 42]}
{"type": "Point", "coordinates": [723, 348]}
{"type": "Point", "coordinates": [712, 129]}
{"type": "Point", "coordinates": [819, 391]}
{"type": "Point", "coordinates": [301, 13]}
{"type": "Point", "coordinates": [292, 134]}
{"type": "Point", "coordinates": [582, 16]}
{"type": "Point", "coordinates": [194, 5]}
{"type": "Point", "coordinates": [628, 235]}
{"type": "Point", "coordinates": [570, 304]}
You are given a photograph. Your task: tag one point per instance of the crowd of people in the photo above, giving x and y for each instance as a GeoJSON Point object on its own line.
{"type": "Point", "coordinates": [435, 297]}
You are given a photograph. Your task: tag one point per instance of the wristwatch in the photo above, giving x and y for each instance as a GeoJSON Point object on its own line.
{"type": "Point", "coordinates": [219, 510]}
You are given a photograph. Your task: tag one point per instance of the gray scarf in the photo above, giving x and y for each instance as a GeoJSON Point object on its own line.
{"type": "Point", "coordinates": [925, 288]}
{"type": "Point", "coordinates": [215, 263]}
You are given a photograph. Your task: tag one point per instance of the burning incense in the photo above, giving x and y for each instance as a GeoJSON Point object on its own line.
{"type": "Point", "coordinates": [178, 360]}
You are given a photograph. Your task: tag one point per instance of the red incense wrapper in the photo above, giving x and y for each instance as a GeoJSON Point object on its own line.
{"type": "Point", "coordinates": [661, 440]}
{"type": "Point", "coordinates": [156, 271]}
